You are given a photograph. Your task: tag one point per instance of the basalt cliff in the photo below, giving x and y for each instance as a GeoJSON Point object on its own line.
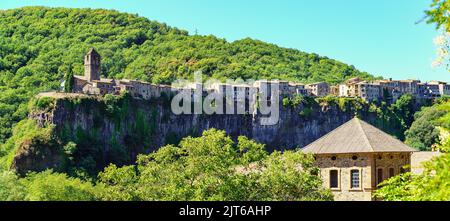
{"type": "Point", "coordinates": [117, 129]}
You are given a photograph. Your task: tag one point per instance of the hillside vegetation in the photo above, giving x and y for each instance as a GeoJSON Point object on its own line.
{"type": "Point", "coordinates": [38, 45]}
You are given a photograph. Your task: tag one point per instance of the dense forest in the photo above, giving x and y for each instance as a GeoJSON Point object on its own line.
{"type": "Point", "coordinates": [39, 45]}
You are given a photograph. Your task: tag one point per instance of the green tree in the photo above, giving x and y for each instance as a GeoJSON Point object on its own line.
{"type": "Point", "coordinates": [10, 187]}
{"type": "Point", "coordinates": [438, 14]}
{"type": "Point", "coordinates": [69, 81]}
{"type": "Point", "coordinates": [405, 106]}
{"type": "Point", "coordinates": [213, 167]}
{"type": "Point", "coordinates": [423, 132]}
{"type": "Point", "coordinates": [48, 186]}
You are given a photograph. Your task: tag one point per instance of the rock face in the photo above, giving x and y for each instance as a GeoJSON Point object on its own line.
{"type": "Point", "coordinates": [118, 132]}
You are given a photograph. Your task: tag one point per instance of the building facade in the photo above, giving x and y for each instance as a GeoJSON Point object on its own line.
{"type": "Point", "coordinates": [320, 89]}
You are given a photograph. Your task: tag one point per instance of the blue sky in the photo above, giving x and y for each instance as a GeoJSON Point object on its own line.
{"type": "Point", "coordinates": [377, 36]}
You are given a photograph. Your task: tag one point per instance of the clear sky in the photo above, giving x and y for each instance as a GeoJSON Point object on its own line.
{"type": "Point", "coordinates": [377, 36]}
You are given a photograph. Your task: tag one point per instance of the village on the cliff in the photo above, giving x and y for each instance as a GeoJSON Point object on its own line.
{"type": "Point", "coordinates": [380, 90]}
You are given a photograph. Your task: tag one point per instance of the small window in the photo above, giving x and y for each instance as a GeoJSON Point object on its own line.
{"type": "Point", "coordinates": [391, 172]}
{"type": "Point", "coordinates": [355, 179]}
{"type": "Point", "coordinates": [334, 179]}
{"type": "Point", "coordinates": [333, 158]}
{"type": "Point", "coordinates": [379, 176]}
{"type": "Point", "coordinates": [354, 158]}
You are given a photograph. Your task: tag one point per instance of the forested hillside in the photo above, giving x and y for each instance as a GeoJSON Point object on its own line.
{"type": "Point", "coordinates": [38, 45]}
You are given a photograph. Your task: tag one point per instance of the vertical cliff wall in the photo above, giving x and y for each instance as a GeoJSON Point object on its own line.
{"type": "Point", "coordinates": [116, 130]}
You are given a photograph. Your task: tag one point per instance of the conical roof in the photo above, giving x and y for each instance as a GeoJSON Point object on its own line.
{"type": "Point", "coordinates": [356, 136]}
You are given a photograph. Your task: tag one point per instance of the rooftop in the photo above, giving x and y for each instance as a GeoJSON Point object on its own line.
{"type": "Point", "coordinates": [356, 136]}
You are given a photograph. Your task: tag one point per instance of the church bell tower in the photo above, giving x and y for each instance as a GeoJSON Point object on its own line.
{"type": "Point", "coordinates": [92, 65]}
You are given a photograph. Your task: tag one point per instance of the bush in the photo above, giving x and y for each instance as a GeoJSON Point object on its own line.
{"type": "Point", "coordinates": [48, 186]}
{"type": "Point", "coordinates": [44, 103]}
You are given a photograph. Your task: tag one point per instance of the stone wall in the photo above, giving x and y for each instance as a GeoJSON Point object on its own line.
{"type": "Point", "coordinates": [367, 164]}
{"type": "Point", "coordinates": [387, 161]}
{"type": "Point", "coordinates": [344, 163]}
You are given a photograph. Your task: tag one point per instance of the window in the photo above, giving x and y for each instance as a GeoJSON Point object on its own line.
{"type": "Point", "coordinates": [354, 179]}
{"type": "Point", "coordinates": [379, 176]}
{"type": "Point", "coordinates": [334, 179]}
{"type": "Point", "coordinates": [391, 172]}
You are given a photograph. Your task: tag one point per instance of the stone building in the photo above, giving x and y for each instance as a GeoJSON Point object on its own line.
{"type": "Point", "coordinates": [443, 87]}
{"type": "Point", "coordinates": [365, 90]}
{"type": "Point", "coordinates": [236, 92]}
{"type": "Point", "coordinates": [356, 157]}
{"type": "Point", "coordinates": [391, 90]}
{"type": "Point", "coordinates": [92, 83]}
{"type": "Point", "coordinates": [298, 88]}
{"type": "Point", "coordinates": [320, 89]}
{"type": "Point", "coordinates": [429, 90]}
{"type": "Point", "coordinates": [92, 66]}
{"type": "Point", "coordinates": [369, 91]}
{"type": "Point", "coordinates": [334, 90]}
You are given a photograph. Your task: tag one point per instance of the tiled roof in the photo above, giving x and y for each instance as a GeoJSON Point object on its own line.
{"type": "Point", "coordinates": [356, 136]}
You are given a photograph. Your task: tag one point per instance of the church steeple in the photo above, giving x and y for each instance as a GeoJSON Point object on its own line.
{"type": "Point", "coordinates": [92, 65]}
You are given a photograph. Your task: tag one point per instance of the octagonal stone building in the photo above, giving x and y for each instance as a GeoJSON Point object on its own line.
{"type": "Point", "coordinates": [356, 157]}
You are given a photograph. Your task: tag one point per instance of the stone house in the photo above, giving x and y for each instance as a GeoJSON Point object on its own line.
{"type": "Point", "coordinates": [369, 91]}
{"type": "Point", "coordinates": [444, 88]}
{"type": "Point", "coordinates": [320, 89]}
{"type": "Point", "coordinates": [391, 90]}
{"type": "Point", "coordinates": [334, 90]}
{"type": "Point", "coordinates": [297, 88]}
{"type": "Point", "coordinates": [356, 157]}
{"type": "Point", "coordinates": [429, 90]}
{"type": "Point", "coordinates": [350, 88]}
{"type": "Point", "coordinates": [365, 90]}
